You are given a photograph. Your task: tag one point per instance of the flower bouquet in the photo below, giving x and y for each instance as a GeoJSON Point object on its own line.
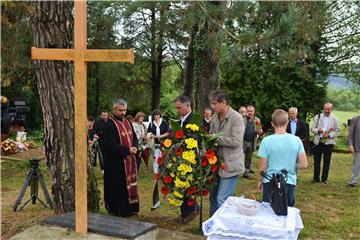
{"type": "Point", "coordinates": [189, 165]}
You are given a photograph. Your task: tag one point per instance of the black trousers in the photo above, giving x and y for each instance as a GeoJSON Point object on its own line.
{"type": "Point", "coordinates": [326, 151]}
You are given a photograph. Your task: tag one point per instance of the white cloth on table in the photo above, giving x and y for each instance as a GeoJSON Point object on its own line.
{"type": "Point", "coordinates": [229, 223]}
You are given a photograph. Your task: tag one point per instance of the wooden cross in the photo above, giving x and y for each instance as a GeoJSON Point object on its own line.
{"type": "Point", "coordinates": [80, 55]}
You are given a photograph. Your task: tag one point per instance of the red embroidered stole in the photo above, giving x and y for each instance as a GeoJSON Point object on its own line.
{"type": "Point", "coordinates": [126, 140]}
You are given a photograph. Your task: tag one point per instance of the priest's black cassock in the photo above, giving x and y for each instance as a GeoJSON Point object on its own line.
{"type": "Point", "coordinates": [120, 176]}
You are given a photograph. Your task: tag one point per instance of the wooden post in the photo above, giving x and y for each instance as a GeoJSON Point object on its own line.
{"type": "Point", "coordinates": [80, 117]}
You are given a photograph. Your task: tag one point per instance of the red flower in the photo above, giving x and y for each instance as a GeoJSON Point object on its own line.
{"type": "Point", "coordinates": [210, 153]}
{"type": "Point", "coordinates": [191, 190]}
{"type": "Point", "coordinates": [223, 166]}
{"type": "Point", "coordinates": [191, 202]}
{"type": "Point", "coordinates": [168, 179]}
{"type": "Point", "coordinates": [179, 134]}
{"type": "Point", "coordinates": [214, 168]}
{"type": "Point", "coordinates": [257, 121]}
{"type": "Point", "coordinates": [204, 162]}
{"type": "Point", "coordinates": [179, 151]}
{"type": "Point", "coordinates": [160, 161]}
{"type": "Point", "coordinates": [205, 192]}
{"type": "Point", "coordinates": [163, 153]}
{"type": "Point", "coordinates": [164, 190]}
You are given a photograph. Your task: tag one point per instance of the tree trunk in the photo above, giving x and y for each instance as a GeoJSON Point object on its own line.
{"type": "Point", "coordinates": [190, 62]}
{"type": "Point", "coordinates": [209, 63]}
{"type": "Point", "coordinates": [159, 52]}
{"type": "Point", "coordinates": [155, 97]}
{"type": "Point", "coordinates": [96, 89]}
{"type": "Point", "coordinates": [52, 25]}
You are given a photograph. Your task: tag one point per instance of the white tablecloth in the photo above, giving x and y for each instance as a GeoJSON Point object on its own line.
{"type": "Point", "coordinates": [229, 223]}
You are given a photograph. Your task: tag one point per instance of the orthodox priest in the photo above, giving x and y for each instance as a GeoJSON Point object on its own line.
{"type": "Point", "coordinates": [120, 176]}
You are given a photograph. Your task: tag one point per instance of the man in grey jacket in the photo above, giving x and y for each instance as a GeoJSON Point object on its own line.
{"type": "Point", "coordinates": [230, 124]}
{"type": "Point", "coordinates": [354, 147]}
{"type": "Point", "coordinates": [325, 128]}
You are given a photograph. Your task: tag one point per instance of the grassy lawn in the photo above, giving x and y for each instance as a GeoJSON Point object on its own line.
{"type": "Point", "coordinates": [328, 211]}
{"type": "Point", "coordinates": [344, 116]}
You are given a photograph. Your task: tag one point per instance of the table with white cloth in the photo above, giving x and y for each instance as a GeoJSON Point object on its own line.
{"type": "Point", "coordinates": [229, 223]}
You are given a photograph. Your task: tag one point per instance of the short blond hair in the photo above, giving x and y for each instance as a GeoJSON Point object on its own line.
{"type": "Point", "coordinates": [279, 118]}
{"type": "Point", "coordinates": [139, 115]}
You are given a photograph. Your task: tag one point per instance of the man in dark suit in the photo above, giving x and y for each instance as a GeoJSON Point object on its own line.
{"type": "Point", "coordinates": [298, 128]}
{"type": "Point", "coordinates": [183, 108]}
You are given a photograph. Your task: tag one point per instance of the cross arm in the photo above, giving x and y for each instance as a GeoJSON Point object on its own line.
{"type": "Point", "coordinates": [52, 54]}
{"type": "Point", "coordinates": [109, 55]}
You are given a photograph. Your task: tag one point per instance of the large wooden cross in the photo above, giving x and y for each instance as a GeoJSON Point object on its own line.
{"type": "Point", "coordinates": [80, 55]}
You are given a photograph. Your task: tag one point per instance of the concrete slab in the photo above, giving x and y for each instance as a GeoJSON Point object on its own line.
{"type": "Point", "coordinates": [46, 232]}
{"type": "Point", "coordinates": [106, 225]}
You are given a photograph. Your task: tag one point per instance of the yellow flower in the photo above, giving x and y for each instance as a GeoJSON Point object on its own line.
{"type": "Point", "coordinates": [191, 143]}
{"type": "Point", "coordinates": [189, 156]}
{"type": "Point", "coordinates": [190, 178]}
{"type": "Point", "coordinates": [169, 165]}
{"type": "Point", "coordinates": [172, 174]}
{"type": "Point", "coordinates": [175, 202]}
{"type": "Point", "coordinates": [177, 194]}
{"type": "Point", "coordinates": [213, 160]}
{"type": "Point", "coordinates": [167, 143]}
{"type": "Point", "coordinates": [193, 127]}
{"type": "Point", "coordinates": [184, 169]}
{"type": "Point", "coordinates": [181, 184]}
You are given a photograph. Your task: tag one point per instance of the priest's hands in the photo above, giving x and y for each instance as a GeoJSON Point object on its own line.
{"type": "Point", "coordinates": [133, 150]}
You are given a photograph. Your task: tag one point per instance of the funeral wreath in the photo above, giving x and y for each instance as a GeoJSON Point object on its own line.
{"type": "Point", "coordinates": [189, 165]}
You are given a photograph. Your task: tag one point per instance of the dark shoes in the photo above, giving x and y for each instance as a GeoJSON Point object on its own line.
{"type": "Point", "coordinates": [352, 184]}
{"type": "Point", "coordinates": [247, 176]}
{"type": "Point", "coordinates": [315, 181]}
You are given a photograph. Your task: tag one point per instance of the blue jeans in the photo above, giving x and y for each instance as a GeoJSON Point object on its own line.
{"type": "Point", "coordinates": [224, 189]}
{"type": "Point", "coordinates": [290, 194]}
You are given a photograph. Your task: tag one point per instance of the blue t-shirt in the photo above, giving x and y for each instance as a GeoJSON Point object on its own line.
{"type": "Point", "coordinates": [281, 151]}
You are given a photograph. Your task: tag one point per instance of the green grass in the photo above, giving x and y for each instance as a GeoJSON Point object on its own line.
{"type": "Point", "coordinates": [344, 116]}
{"type": "Point", "coordinates": [327, 211]}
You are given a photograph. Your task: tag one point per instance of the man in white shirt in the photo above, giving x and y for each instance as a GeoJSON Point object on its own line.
{"type": "Point", "coordinates": [325, 128]}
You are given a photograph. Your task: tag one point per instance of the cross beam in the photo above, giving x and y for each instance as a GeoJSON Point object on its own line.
{"type": "Point", "coordinates": [80, 55]}
{"type": "Point", "coordinates": [89, 55]}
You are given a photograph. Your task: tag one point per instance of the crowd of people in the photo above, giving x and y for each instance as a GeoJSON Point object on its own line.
{"type": "Point", "coordinates": [125, 143]}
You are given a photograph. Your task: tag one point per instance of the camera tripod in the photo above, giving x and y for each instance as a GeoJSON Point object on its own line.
{"type": "Point", "coordinates": [32, 180]}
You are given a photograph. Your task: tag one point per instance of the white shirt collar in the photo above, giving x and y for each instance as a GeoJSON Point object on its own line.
{"type": "Point", "coordinates": [183, 118]}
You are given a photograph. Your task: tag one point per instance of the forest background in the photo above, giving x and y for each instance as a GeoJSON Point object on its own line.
{"type": "Point", "coordinates": [269, 54]}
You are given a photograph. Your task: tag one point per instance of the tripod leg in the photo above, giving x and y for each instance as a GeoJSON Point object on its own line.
{"type": "Point", "coordinates": [46, 193]}
{"type": "Point", "coordinates": [34, 187]}
{"type": "Point", "coordinates": [23, 189]}
{"type": "Point", "coordinates": [31, 197]}
{"type": "Point", "coordinates": [40, 201]}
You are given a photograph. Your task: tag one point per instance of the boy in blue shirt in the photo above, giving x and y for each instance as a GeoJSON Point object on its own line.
{"type": "Point", "coordinates": [281, 151]}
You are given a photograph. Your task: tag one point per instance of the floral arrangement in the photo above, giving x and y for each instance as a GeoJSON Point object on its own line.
{"type": "Point", "coordinates": [189, 165]}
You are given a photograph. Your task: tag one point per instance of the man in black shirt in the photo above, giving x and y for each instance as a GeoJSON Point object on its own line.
{"type": "Point", "coordinates": [99, 130]}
